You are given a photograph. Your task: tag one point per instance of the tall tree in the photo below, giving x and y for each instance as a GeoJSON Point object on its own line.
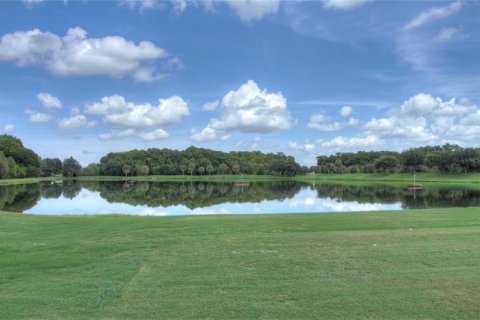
{"type": "Point", "coordinates": [71, 168]}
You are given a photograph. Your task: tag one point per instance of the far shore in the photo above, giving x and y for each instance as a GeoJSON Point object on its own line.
{"type": "Point", "coordinates": [353, 177]}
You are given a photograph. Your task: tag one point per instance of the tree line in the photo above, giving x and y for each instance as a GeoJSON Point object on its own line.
{"type": "Point", "coordinates": [193, 161]}
{"type": "Point", "coordinates": [16, 161]}
{"type": "Point", "coordinates": [449, 158]}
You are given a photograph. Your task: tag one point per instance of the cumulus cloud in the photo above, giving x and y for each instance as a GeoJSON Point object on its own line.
{"type": "Point", "coordinates": [208, 134]}
{"type": "Point", "coordinates": [75, 122]}
{"type": "Point", "coordinates": [320, 121]}
{"type": "Point", "coordinates": [247, 109]}
{"type": "Point", "coordinates": [117, 110]}
{"type": "Point", "coordinates": [9, 128]}
{"type": "Point", "coordinates": [153, 135]}
{"type": "Point", "coordinates": [37, 117]}
{"type": "Point", "coordinates": [251, 109]}
{"type": "Point", "coordinates": [354, 142]}
{"type": "Point", "coordinates": [77, 55]}
{"type": "Point", "coordinates": [344, 4]}
{"type": "Point", "coordinates": [433, 14]}
{"type": "Point", "coordinates": [423, 118]}
{"type": "Point", "coordinates": [49, 101]}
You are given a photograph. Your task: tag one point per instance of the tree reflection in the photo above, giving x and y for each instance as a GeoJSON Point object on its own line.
{"type": "Point", "coordinates": [19, 198]}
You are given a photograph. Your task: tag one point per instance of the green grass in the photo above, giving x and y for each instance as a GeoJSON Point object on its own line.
{"type": "Point", "coordinates": [396, 177]}
{"type": "Point", "coordinates": [419, 264]}
{"type": "Point", "coordinates": [356, 177]}
{"type": "Point", "coordinates": [4, 182]}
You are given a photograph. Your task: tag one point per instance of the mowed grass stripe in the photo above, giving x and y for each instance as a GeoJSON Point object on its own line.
{"type": "Point", "coordinates": [419, 264]}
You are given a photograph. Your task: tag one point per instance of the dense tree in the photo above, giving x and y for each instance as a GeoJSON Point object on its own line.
{"type": "Point", "coordinates": [446, 158]}
{"type": "Point", "coordinates": [50, 167]}
{"type": "Point", "coordinates": [209, 169]}
{"type": "Point", "coordinates": [126, 169]}
{"type": "Point", "coordinates": [386, 164]}
{"type": "Point", "coordinates": [191, 166]}
{"type": "Point", "coordinates": [28, 162]}
{"type": "Point", "coordinates": [412, 160]}
{"type": "Point", "coordinates": [4, 168]}
{"type": "Point", "coordinates": [92, 169]}
{"type": "Point", "coordinates": [71, 168]}
{"type": "Point", "coordinates": [223, 168]}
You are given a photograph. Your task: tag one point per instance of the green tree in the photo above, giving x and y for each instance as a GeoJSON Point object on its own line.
{"type": "Point", "coordinates": [4, 168]}
{"type": "Point", "coordinates": [50, 167]}
{"type": "Point", "coordinates": [386, 164]}
{"type": "Point", "coordinates": [201, 170]}
{"type": "Point", "coordinates": [27, 160]}
{"type": "Point", "coordinates": [235, 168]}
{"type": "Point", "coordinates": [126, 169]}
{"type": "Point", "coordinates": [209, 168]}
{"type": "Point", "coordinates": [191, 166]}
{"type": "Point", "coordinates": [412, 159]}
{"type": "Point", "coordinates": [223, 168]}
{"type": "Point", "coordinates": [71, 168]}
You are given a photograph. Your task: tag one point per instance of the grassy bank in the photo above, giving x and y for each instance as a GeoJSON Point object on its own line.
{"type": "Point", "coordinates": [395, 177]}
{"type": "Point", "coordinates": [356, 177]}
{"type": "Point", "coordinates": [381, 265]}
{"type": "Point", "coordinates": [4, 182]}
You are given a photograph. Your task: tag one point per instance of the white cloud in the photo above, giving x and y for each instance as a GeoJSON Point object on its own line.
{"type": "Point", "coordinates": [250, 109]}
{"type": "Point", "coordinates": [253, 10]}
{"type": "Point", "coordinates": [306, 147]}
{"type": "Point", "coordinates": [31, 3]}
{"type": "Point", "coordinates": [75, 54]}
{"type": "Point", "coordinates": [354, 142]}
{"type": "Point", "coordinates": [449, 34]}
{"type": "Point", "coordinates": [433, 14]}
{"type": "Point", "coordinates": [75, 122]}
{"type": "Point", "coordinates": [425, 119]}
{"type": "Point", "coordinates": [208, 134]}
{"type": "Point", "coordinates": [141, 4]}
{"type": "Point", "coordinates": [346, 111]}
{"type": "Point", "coordinates": [49, 101]}
{"type": "Point", "coordinates": [117, 110]}
{"type": "Point", "coordinates": [418, 104]}
{"type": "Point", "coordinates": [153, 135]}
{"type": "Point", "coordinates": [144, 135]}
{"type": "Point", "coordinates": [115, 134]}
{"type": "Point", "coordinates": [414, 129]}
{"type": "Point", "coordinates": [37, 117]}
{"type": "Point", "coordinates": [319, 121]}
{"type": "Point", "coordinates": [247, 10]}
{"type": "Point", "coordinates": [9, 128]}
{"type": "Point", "coordinates": [344, 4]}
{"type": "Point", "coordinates": [210, 106]}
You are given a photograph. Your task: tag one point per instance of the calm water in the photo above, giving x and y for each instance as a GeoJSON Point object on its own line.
{"type": "Point", "coordinates": [177, 198]}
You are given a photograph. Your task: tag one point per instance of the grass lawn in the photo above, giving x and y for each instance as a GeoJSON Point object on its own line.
{"type": "Point", "coordinates": [418, 264]}
{"type": "Point", "coordinates": [355, 177]}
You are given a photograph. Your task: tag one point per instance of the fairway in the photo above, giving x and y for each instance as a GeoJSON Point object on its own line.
{"type": "Point", "coordinates": [414, 264]}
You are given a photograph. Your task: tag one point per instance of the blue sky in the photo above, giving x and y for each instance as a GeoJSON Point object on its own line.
{"type": "Point", "coordinates": [304, 78]}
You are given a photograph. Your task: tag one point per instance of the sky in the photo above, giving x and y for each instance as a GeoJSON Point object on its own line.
{"type": "Point", "coordinates": [84, 78]}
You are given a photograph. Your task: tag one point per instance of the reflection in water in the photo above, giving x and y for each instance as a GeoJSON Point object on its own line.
{"type": "Point", "coordinates": [164, 198]}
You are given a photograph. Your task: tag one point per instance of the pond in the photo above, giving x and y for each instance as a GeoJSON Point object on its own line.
{"type": "Point", "coordinates": [185, 198]}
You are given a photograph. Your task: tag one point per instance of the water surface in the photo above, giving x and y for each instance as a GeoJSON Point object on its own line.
{"type": "Point", "coordinates": [184, 198]}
